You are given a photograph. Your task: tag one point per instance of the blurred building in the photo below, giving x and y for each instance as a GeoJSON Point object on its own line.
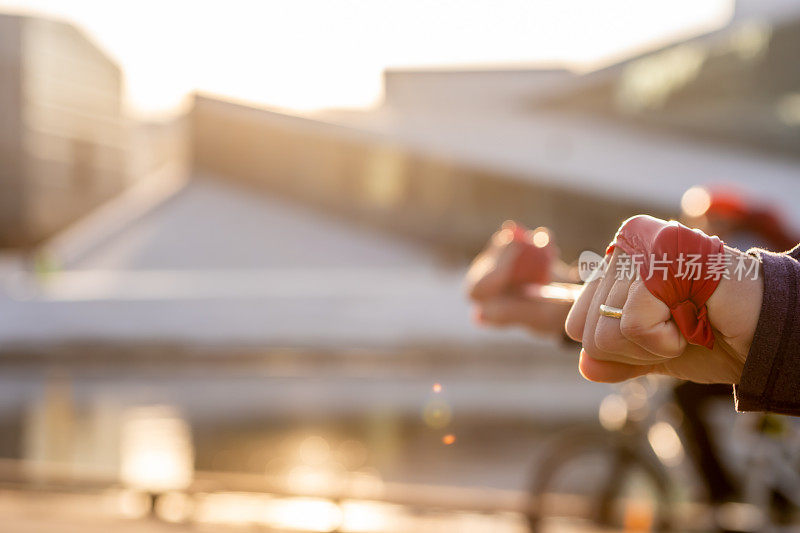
{"type": "Point", "coordinates": [452, 153]}
{"type": "Point", "coordinates": [63, 132]}
{"type": "Point", "coordinates": [65, 141]}
{"type": "Point", "coordinates": [740, 86]}
{"type": "Point", "coordinates": [433, 90]}
{"type": "Point", "coordinates": [209, 274]}
{"type": "Point", "coordinates": [445, 175]}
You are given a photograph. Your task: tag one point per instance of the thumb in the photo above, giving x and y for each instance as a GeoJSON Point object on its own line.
{"type": "Point", "coordinates": [647, 321]}
{"type": "Point", "coordinates": [609, 371]}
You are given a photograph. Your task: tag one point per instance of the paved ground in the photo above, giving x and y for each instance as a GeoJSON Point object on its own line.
{"type": "Point", "coordinates": [27, 512]}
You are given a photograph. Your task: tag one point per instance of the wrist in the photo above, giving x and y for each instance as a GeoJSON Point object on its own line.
{"type": "Point", "coordinates": [735, 305]}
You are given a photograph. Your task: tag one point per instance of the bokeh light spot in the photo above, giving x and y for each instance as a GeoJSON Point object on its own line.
{"type": "Point", "coordinates": [541, 237]}
{"type": "Point", "coordinates": [695, 202]}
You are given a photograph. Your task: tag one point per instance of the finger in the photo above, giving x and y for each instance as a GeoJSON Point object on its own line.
{"type": "Point", "coordinates": [483, 263]}
{"type": "Point", "coordinates": [592, 312]}
{"type": "Point", "coordinates": [576, 320]}
{"type": "Point", "coordinates": [542, 315]}
{"type": "Point", "coordinates": [647, 322]}
{"type": "Point", "coordinates": [608, 338]}
{"type": "Point", "coordinates": [609, 371]}
{"type": "Point", "coordinates": [489, 274]}
{"type": "Point", "coordinates": [608, 335]}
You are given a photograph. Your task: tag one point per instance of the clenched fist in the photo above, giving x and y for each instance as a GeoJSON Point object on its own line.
{"type": "Point", "coordinates": [506, 281]}
{"type": "Point", "coordinates": [659, 314]}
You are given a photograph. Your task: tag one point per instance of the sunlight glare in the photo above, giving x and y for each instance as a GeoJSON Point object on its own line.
{"type": "Point", "coordinates": [312, 54]}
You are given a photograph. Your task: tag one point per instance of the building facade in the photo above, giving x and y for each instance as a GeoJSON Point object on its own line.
{"type": "Point", "coordinates": [63, 133]}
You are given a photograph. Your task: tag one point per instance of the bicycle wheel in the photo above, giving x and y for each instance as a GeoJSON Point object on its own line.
{"type": "Point", "coordinates": [598, 479]}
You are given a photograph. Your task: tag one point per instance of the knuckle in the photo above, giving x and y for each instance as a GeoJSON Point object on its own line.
{"type": "Point", "coordinates": [635, 218]}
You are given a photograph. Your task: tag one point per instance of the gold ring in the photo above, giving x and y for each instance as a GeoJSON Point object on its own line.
{"type": "Point", "coordinates": [613, 312]}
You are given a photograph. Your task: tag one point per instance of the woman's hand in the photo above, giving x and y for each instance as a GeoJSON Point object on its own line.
{"type": "Point", "coordinates": [499, 302]}
{"type": "Point", "coordinates": [647, 340]}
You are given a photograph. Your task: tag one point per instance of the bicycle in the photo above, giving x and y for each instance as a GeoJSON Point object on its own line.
{"type": "Point", "coordinates": [623, 474]}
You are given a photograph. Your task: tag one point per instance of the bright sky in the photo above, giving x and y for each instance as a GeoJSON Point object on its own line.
{"type": "Point", "coordinates": [308, 54]}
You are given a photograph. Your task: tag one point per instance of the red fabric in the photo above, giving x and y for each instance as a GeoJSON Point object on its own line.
{"type": "Point", "coordinates": [658, 246]}
{"type": "Point", "coordinates": [727, 203]}
{"type": "Point", "coordinates": [533, 263]}
{"type": "Point", "coordinates": [748, 215]}
{"type": "Point", "coordinates": [770, 228]}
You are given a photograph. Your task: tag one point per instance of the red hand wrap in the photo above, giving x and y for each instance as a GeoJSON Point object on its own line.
{"type": "Point", "coordinates": [659, 245]}
{"type": "Point", "coordinates": [533, 263]}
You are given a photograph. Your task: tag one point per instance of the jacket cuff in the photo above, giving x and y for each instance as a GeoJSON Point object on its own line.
{"type": "Point", "coordinates": [755, 391]}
